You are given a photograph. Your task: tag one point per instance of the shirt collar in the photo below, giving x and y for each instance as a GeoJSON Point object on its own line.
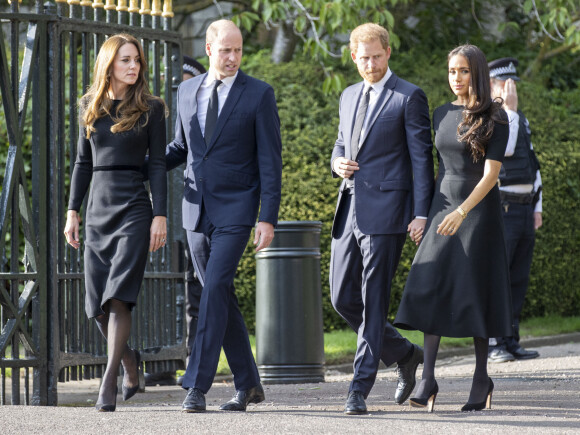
{"type": "Point", "coordinates": [227, 81]}
{"type": "Point", "coordinates": [378, 86]}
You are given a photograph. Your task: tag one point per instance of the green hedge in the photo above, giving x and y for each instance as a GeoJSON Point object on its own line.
{"type": "Point", "coordinates": [309, 122]}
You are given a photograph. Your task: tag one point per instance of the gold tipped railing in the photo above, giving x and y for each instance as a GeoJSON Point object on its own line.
{"type": "Point", "coordinates": [133, 6]}
{"type": "Point", "coordinates": [168, 9]}
{"type": "Point", "coordinates": [145, 7]}
{"type": "Point", "coordinates": [156, 9]}
{"type": "Point", "coordinates": [122, 6]}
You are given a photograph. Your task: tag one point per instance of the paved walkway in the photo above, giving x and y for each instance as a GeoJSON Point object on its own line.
{"type": "Point", "coordinates": [534, 396]}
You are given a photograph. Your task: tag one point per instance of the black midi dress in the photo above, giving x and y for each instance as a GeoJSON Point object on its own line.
{"type": "Point", "coordinates": [119, 209]}
{"type": "Point", "coordinates": [458, 286]}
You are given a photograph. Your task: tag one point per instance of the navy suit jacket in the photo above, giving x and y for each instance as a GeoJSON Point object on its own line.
{"type": "Point", "coordinates": [240, 170]}
{"type": "Point", "coordinates": [395, 179]}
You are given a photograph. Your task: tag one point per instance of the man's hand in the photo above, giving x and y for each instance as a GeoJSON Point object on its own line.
{"type": "Point", "coordinates": [264, 235]}
{"type": "Point", "coordinates": [416, 229]}
{"type": "Point", "coordinates": [537, 219]}
{"type": "Point", "coordinates": [510, 95]}
{"type": "Point", "coordinates": [344, 167]}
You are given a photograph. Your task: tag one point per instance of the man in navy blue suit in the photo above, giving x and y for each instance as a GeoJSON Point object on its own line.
{"type": "Point", "coordinates": [228, 132]}
{"type": "Point", "coordinates": [384, 155]}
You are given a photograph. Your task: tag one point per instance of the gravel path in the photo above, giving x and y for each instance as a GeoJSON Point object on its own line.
{"type": "Point", "coordinates": [534, 396]}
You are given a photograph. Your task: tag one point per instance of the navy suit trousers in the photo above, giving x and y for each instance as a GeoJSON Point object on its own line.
{"type": "Point", "coordinates": [216, 253]}
{"type": "Point", "coordinates": [362, 267]}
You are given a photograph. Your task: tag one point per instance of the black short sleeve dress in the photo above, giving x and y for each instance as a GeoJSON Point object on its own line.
{"type": "Point", "coordinates": [458, 286]}
{"type": "Point", "coordinates": [119, 210]}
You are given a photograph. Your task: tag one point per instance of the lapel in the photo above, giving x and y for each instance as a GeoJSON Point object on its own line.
{"type": "Point", "coordinates": [351, 107]}
{"type": "Point", "coordinates": [381, 102]}
{"type": "Point", "coordinates": [233, 96]}
{"type": "Point", "coordinates": [191, 102]}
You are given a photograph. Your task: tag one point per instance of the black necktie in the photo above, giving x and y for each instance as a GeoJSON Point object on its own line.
{"type": "Point", "coordinates": [211, 116]}
{"type": "Point", "coordinates": [358, 122]}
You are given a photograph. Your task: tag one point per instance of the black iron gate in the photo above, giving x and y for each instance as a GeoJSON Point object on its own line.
{"type": "Point", "coordinates": [46, 60]}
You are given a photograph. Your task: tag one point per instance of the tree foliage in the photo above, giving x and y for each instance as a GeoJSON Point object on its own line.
{"type": "Point", "coordinates": [321, 27]}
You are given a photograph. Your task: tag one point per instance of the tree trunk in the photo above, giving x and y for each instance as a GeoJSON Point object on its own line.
{"type": "Point", "coordinates": [284, 43]}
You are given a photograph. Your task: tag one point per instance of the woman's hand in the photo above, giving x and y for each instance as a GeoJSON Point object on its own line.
{"type": "Point", "coordinates": [450, 224]}
{"type": "Point", "coordinates": [71, 229]}
{"type": "Point", "coordinates": [158, 233]}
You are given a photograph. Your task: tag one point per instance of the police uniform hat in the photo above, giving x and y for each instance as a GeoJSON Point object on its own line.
{"type": "Point", "coordinates": [192, 66]}
{"type": "Point", "coordinates": [503, 69]}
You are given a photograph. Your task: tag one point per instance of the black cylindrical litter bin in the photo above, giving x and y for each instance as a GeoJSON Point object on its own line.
{"type": "Point", "coordinates": [289, 334]}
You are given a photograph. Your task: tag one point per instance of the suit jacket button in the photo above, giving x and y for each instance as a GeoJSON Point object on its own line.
{"type": "Point", "coordinates": [200, 179]}
{"type": "Point", "coordinates": [206, 157]}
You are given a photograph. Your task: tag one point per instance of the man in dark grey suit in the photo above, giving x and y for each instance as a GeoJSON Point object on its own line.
{"type": "Point", "coordinates": [384, 154]}
{"type": "Point", "coordinates": [228, 132]}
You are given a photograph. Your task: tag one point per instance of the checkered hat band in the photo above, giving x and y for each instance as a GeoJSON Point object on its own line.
{"type": "Point", "coordinates": [191, 69]}
{"type": "Point", "coordinates": [504, 70]}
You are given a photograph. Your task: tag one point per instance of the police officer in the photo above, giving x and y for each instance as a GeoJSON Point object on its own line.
{"type": "Point", "coordinates": [521, 195]}
{"type": "Point", "coordinates": [193, 287]}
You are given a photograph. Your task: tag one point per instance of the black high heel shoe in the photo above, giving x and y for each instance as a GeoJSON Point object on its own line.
{"type": "Point", "coordinates": [100, 407]}
{"type": "Point", "coordinates": [428, 402]}
{"type": "Point", "coordinates": [479, 406]}
{"type": "Point", "coordinates": [129, 392]}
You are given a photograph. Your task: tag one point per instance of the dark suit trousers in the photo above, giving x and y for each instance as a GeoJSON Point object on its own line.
{"type": "Point", "coordinates": [216, 253]}
{"type": "Point", "coordinates": [520, 238]}
{"type": "Point", "coordinates": [192, 298]}
{"type": "Point", "coordinates": [361, 269]}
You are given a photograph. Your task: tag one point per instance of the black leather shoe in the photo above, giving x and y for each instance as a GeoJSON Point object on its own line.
{"type": "Point", "coordinates": [521, 353]}
{"type": "Point", "coordinates": [499, 355]}
{"type": "Point", "coordinates": [241, 399]}
{"type": "Point", "coordinates": [194, 401]}
{"type": "Point", "coordinates": [355, 404]}
{"type": "Point", "coordinates": [406, 372]}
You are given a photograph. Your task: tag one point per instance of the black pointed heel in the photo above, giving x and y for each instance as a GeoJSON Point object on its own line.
{"type": "Point", "coordinates": [484, 404]}
{"type": "Point", "coordinates": [425, 402]}
{"type": "Point", "coordinates": [129, 392]}
{"type": "Point", "coordinates": [101, 407]}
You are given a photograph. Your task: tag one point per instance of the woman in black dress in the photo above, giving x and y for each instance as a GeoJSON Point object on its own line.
{"type": "Point", "coordinates": [458, 285]}
{"type": "Point", "coordinates": [120, 123]}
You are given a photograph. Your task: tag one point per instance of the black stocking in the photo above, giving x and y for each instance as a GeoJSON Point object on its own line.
{"type": "Point", "coordinates": [480, 384]}
{"type": "Point", "coordinates": [430, 349]}
{"type": "Point", "coordinates": [115, 325]}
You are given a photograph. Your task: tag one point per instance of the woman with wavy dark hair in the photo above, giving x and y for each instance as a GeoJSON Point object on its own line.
{"type": "Point", "coordinates": [458, 285]}
{"type": "Point", "coordinates": [120, 122]}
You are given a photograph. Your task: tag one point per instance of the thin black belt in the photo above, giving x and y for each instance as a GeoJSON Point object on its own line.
{"type": "Point", "coordinates": [516, 198]}
{"type": "Point", "coordinates": [116, 168]}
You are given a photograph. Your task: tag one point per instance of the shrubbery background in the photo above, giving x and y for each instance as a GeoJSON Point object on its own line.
{"type": "Point", "coordinates": [309, 123]}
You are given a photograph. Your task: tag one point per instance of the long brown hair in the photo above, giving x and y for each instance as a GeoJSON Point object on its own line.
{"type": "Point", "coordinates": [481, 112]}
{"type": "Point", "coordinates": [96, 102]}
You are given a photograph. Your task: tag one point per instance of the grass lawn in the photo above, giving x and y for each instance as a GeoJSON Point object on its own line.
{"type": "Point", "coordinates": [340, 346]}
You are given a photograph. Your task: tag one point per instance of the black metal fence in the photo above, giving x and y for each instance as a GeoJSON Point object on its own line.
{"type": "Point", "coordinates": [46, 60]}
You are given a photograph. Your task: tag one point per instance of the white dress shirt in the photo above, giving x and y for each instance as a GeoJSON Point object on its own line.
{"type": "Point", "coordinates": [205, 91]}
